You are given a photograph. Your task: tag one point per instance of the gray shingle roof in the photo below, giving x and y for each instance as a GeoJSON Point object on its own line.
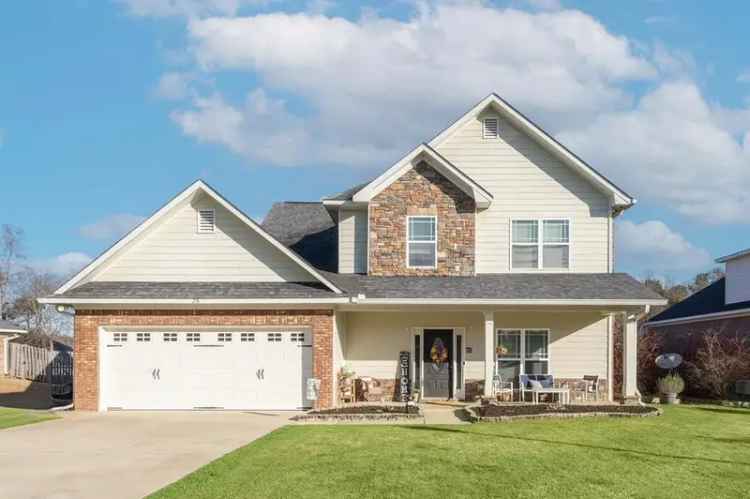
{"type": "Point", "coordinates": [205, 290]}
{"type": "Point", "coordinates": [709, 300]}
{"type": "Point", "coordinates": [307, 229]}
{"type": "Point", "coordinates": [349, 193]}
{"type": "Point", "coordinates": [499, 286]}
{"type": "Point", "coordinates": [9, 326]}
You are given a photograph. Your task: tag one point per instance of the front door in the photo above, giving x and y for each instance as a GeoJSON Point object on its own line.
{"type": "Point", "coordinates": [437, 356]}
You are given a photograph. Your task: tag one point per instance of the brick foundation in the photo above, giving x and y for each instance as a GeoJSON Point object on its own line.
{"type": "Point", "coordinates": [422, 191]}
{"type": "Point", "coordinates": [87, 322]}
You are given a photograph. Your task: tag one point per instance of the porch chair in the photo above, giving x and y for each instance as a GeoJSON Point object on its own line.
{"type": "Point", "coordinates": [371, 389]}
{"type": "Point", "coordinates": [592, 386]}
{"type": "Point", "coordinates": [500, 387]}
{"type": "Point", "coordinates": [546, 380]}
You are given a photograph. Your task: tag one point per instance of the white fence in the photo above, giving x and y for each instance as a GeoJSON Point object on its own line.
{"type": "Point", "coordinates": [39, 364]}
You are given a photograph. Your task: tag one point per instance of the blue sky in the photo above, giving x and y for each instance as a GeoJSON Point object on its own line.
{"type": "Point", "coordinates": [107, 109]}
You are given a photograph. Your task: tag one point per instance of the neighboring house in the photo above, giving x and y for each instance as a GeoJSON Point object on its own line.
{"type": "Point", "coordinates": [723, 306]}
{"type": "Point", "coordinates": [8, 332]}
{"type": "Point", "coordinates": [491, 234]}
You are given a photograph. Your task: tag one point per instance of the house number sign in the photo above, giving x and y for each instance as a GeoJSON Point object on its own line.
{"type": "Point", "coordinates": [403, 367]}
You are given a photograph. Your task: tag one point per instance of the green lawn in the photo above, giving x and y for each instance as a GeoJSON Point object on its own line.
{"type": "Point", "coordinates": [697, 451]}
{"type": "Point", "coordinates": [17, 417]}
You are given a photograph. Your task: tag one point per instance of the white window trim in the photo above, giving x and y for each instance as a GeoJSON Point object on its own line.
{"type": "Point", "coordinates": [485, 135]}
{"type": "Point", "coordinates": [408, 241]}
{"type": "Point", "coordinates": [540, 244]}
{"type": "Point", "coordinates": [198, 221]}
{"type": "Point", "coordinates": [522, 359]}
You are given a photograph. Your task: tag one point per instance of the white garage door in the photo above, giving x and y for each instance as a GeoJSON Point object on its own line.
{"type": "Point", "coordinates": [189, 370]}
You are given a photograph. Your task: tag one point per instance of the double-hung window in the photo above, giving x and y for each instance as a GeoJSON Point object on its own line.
{"type": "Point", "coordinates": [540, 244]}
{"type": "Point", "coordinates": [421, 245]}
{"type": "Point", "coordinates": [522, 351]}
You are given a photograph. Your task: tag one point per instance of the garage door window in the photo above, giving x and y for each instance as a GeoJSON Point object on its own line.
{"type": "Point", "coordinates": [274, 337]}
{"type": "Point", "coordinates": [194, 337]}
{"type": "Point", "coordinates": [224, 337]}
{"type": "Point", "coordinates": [170, 337]}
{"type": "Point", "coordinates": [298, 337]}
{"type": "Point", "coordinates": [120, 337]}
{"type": "Point", "coordinates": [247, 337]}
{"type": "Point", "coordinates": [143, 337]}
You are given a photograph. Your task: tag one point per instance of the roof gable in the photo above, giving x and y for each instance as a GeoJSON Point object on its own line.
{"type": "Point", "coordinates": [195, 191]}
{"type": "Point", "coordinates": [524, 124]}
{"type": "Point", "coordinates": [426, 153]}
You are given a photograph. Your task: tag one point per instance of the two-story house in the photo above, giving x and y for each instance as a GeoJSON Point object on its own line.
{"type": "Point", "coordinates": [722, 307]}
{"type": "Point", "coordinates": [486, 251]}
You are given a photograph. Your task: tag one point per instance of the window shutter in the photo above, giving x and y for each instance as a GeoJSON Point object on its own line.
{"type": "Point", "coordinates": [206, 221]}
{"type": "Point", "coordinates": [491, 128]}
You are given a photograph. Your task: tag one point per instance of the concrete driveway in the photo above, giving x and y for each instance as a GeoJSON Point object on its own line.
{"type": "Point", "coordinates": [120, 454]}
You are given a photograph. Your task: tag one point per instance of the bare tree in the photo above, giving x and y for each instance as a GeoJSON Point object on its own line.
{"type": "Point", "coordinates": [25, 308]}
{"type": "Point", "coordinates": [11, 244]}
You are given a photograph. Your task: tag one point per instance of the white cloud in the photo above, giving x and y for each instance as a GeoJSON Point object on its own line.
{"type": "Point", "coordinates": [744, 76]}
{"type": "Point", "coordinates": [112, 227]}
{"type": "Point", "coordinates": [544, 4]}
{"type": "Point", "coordinates": [188, 8]}
{"type": "Point", "coordinates": [174, 85]}
{"type": "Point", "coordinates": [671, 149]}
{"type": "Point", "coordinates": [653, 246]}
{"type": "Point", "coordinates": [419, 73]}
{"type": "Point", "coordinates": [63, 265]}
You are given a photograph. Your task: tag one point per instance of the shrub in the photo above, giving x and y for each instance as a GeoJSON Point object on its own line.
{"type": "Point", "coordinates": [671, 383]}
{"type": "Point", "coordinates": [719, 362]}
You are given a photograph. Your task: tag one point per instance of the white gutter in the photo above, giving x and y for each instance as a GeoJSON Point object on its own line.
{"type": "Point", "coordinates": [188, 301]}
{"type": "Point", "coordinates": [358, 300]}
{"type": "Point", "coordinates": [703, 317]}
{"type": "Point", "coordinates": [469, 301]}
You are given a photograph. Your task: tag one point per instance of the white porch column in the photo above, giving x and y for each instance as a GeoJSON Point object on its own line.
{"type": "Point", "coordinates": [489, 352]}
{"type": "Point", "coordinates": [629, 357]}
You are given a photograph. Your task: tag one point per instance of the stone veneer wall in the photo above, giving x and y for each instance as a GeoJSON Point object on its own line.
{"type": "Point", "coordinates": [87, 323]}
{"type": "Point", "coordinates": [422, 191]}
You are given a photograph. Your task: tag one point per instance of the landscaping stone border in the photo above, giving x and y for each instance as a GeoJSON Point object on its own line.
{"type": "Point", "coordinates": [474, 417]}
{"type": "Point", "coordinates": [388, 418]}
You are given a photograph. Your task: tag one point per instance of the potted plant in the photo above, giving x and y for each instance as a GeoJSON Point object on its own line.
{"type": "Point", "coordinates": [670, 386]}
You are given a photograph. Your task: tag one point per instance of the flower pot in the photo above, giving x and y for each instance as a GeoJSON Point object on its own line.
{"type": "Point", "coordinates": [669, 398]}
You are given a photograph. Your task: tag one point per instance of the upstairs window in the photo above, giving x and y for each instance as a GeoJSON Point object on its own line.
{"type": "Point", "coordinates": [421, 246]}
{"type": "Point", "coordinates": [206, 221]}
{"type": "Point", "coordinates": [540, 244]}
{"type": "Point", "coordinates": [490, 128]}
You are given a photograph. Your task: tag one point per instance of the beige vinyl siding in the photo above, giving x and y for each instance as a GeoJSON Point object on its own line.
{"type": "Point", "coordinates": [352, 241]}
{"type": "Point", "coordinates": [578, 340]}
{"type": "Point", "coordinates": [738, 280]}
{"type": "Point", "coordinates": [528, 182]}
{"type": "Point", "coordinates": [174, 251]}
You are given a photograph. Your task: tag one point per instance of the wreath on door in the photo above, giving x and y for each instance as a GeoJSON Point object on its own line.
{"type": "Point", "coordinates": [438, 352]}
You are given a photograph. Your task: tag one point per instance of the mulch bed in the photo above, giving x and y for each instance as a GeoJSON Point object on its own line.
{"type": "Point", "coordinates": [370, 409]}
{"type": "Point", "coordinates": [362, 414]}
{"type": "Point", "coordinates": [527, 411]}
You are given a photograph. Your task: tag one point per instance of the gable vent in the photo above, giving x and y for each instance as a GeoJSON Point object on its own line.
{"type": "Point", "coordinates": [490, 128]}
{"type": "Point", "coordinates": [206, 221]}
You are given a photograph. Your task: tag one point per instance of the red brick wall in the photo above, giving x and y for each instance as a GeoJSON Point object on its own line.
{"type": "Point", "coordinates": [422, 191]}
{"type": "Point", "coordinates": [87, 322]}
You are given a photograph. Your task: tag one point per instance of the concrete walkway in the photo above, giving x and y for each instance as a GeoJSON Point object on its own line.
{"type": "Point", "coordinates": [119, 454]}
{"type": "Point", "coordinates": [443, 414]}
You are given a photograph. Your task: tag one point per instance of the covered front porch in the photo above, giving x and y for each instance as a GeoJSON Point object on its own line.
{"type": "Point", "coordinates": [468, 352]}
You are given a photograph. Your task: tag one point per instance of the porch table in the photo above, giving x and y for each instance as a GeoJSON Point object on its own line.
{"type": "Point", "coordinates": [563, 394]}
